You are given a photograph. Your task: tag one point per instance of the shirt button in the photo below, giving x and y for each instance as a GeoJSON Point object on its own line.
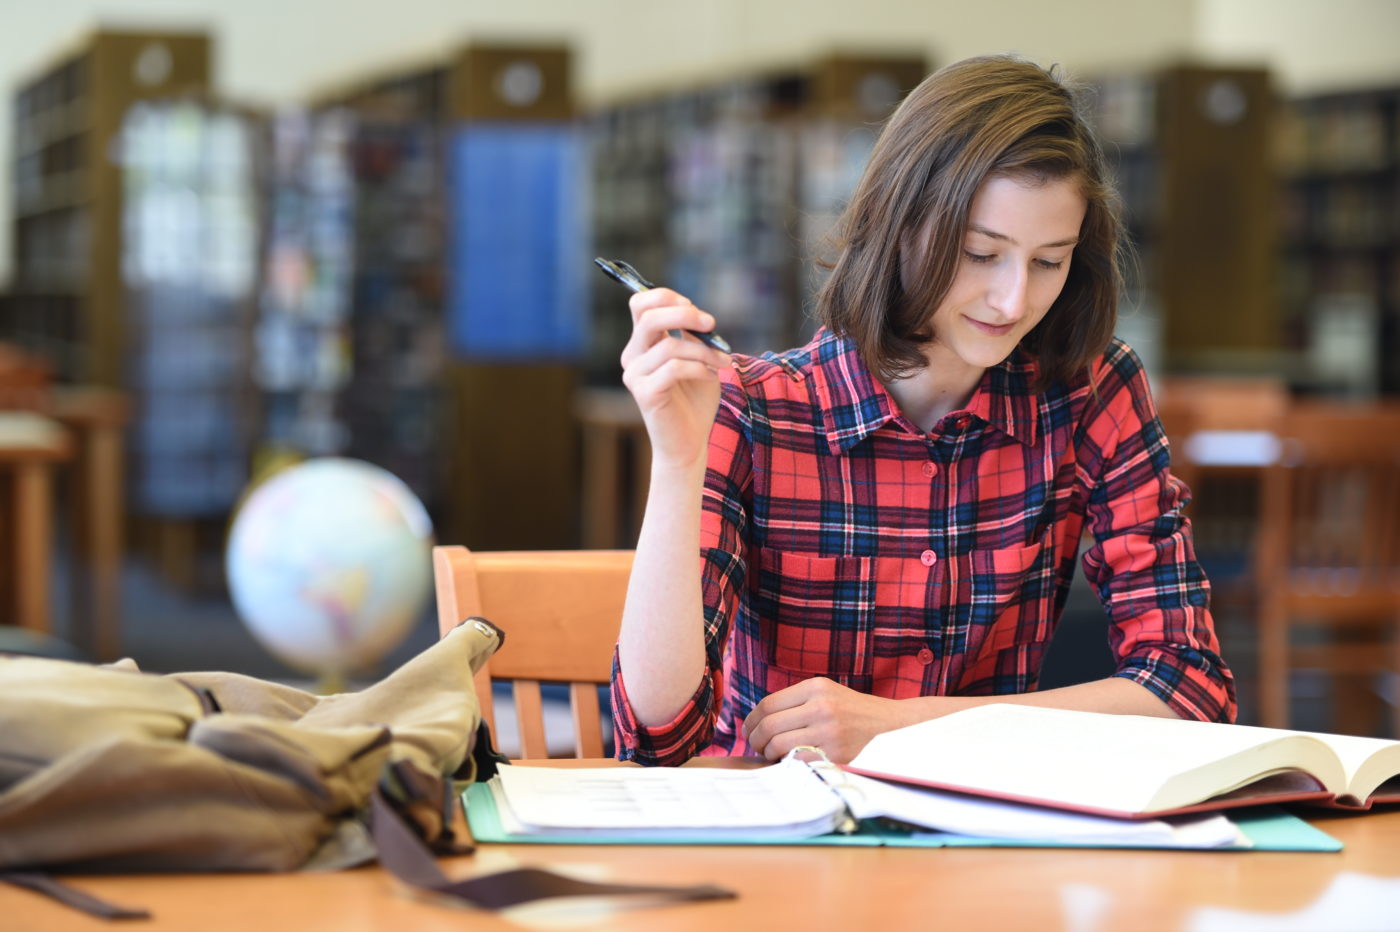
{"type": "Point", "coordinates": [928, 558]}
{"type": "Point", "coordinates": [930, 469]}
{"type": "Point", "coordinates": [925, 656]}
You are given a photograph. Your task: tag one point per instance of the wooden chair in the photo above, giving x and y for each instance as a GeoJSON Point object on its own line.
{"type": "Point", "coordinates": [560, 611]}
{"type": "Point", "coordinates": [1224, 434]}
{"type": "Point", "coordinates": [1329, 551]}
{"type": "Point", "coordinates": [1215, 424]}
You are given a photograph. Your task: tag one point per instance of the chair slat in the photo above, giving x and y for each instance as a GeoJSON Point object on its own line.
{"type": "Point", "coordinates": [529, 716]}
{"type": "Point", "coordinates": [588, 727]}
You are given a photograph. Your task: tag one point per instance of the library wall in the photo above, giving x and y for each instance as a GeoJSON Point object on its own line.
{"type": "Point", "coordinates": [1311, 47]}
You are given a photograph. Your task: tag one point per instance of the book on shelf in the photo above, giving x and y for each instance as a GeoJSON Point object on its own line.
{"type": "Point", "coordinates": [1130, 766]}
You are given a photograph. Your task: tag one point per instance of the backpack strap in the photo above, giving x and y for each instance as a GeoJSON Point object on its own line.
{"type": "Point", "coordinates": [405, 856]}
{"type": "Point", "coordinates": [71, 896]}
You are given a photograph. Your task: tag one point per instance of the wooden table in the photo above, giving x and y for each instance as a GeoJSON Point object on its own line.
{"type": "Point", "coordinates": [616, 467]}
{"type": "Point", "coordinates": [96, 417]}
{"type": "Point", "coordinates": [809, 888]}
{"type": "Point", "coordinates": [31, 448]}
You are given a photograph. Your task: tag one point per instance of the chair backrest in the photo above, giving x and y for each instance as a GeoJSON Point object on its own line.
{"type": "Point", "coordinates": [1331, 522]}
{"type": "Point", "coordinates": [1329, 556]}
{"type": "Point", "coordinates": [1227, 402]}
{"type": "Point", "coordinates": [560, 611]}
{"type": "Point", "coordinates": [1222, 431]}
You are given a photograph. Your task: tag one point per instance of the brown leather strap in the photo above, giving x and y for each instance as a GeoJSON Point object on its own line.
{"type": "Point", "coordinates": [403, 854]}
{"type": "Point", "coordinates": [70, 896]}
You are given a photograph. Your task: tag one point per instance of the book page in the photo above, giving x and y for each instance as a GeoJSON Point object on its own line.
{"type": "Point", "coordinates": [1099, 762]}
{"type": "Point", "coordinates": [787, 796]}
{"type": "Point", "coordinates": [988, 818]}
{"type": "Point", "coordinates": [1369, 762]}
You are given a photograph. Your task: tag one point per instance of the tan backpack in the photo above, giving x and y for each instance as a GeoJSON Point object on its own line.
{"type": "Point", "coordinates": [108, 768]}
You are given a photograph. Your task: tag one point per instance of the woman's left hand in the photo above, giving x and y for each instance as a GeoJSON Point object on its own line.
{"type": "Point", "coordinates": [821, 713]}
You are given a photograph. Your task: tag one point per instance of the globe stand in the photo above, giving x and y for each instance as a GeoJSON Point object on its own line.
{"type": "Point", "coordinates": [331, 682]}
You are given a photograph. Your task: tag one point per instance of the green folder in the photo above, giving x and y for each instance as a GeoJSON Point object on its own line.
{"type": "Point", "coordinates": [1268, 827]}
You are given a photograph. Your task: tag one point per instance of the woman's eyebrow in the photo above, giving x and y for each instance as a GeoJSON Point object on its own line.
{"type": "Point", "coordinates": [978, 228]}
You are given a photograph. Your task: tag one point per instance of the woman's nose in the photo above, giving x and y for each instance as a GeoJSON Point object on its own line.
{"type": "Point", "coordinates": [1008, 294]}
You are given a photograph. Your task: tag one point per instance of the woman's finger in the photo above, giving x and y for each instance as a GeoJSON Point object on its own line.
{"type": "Point", "coordinates": [648, 360]}
{"type": "Point", "coordinates": [772, 724]}
{"type": "Point", "coordinates": [644, 301]}
{"type": "Point", "coordinates": [671, 374]}
{"type": "Point", "coordinates": [658, 321]}
{"type": "Point", "coordinates": [788, 698]}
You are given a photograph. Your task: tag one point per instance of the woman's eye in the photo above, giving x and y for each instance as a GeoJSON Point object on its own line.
{"type": "Point", "coordinates": [976, 257]}
{"type": "Point", "coordinates": [1048, 265]}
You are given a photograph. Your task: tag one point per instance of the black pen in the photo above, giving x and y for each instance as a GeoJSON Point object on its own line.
{"type": "Point", "coordinates": [623, 272]}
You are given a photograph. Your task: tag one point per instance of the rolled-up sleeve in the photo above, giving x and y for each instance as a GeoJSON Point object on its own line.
{"type": "Point", "coordinates": [723, 571]}
{"type": "Point", "coordinates": [1142, 562]}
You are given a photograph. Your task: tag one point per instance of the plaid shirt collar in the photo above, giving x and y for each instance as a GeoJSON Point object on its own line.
{"type": "Point", "coordinates": [855, 404]}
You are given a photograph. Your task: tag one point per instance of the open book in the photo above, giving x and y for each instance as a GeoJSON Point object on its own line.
{"type": "Point", "coordinates": [1131, 766]}
{"type": "Point", "coordinates": [796, 800]}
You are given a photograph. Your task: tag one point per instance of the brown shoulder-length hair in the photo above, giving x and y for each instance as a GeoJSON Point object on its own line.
{"type": "Point", "coordinates": [979, 118]}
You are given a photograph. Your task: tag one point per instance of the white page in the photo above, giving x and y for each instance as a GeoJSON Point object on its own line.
{"type": "Point", "coordinates": [1102, 761]}
{"type": "Point", "coordinates": [987, 818]}
{"type": "Point", "coordinates": [1354, 750]}
{"type": "Point", "coordinates": [785, 796]}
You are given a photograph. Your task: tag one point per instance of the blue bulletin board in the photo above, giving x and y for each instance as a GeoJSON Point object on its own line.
{"type": "Point", "coordinates": [517, 242]}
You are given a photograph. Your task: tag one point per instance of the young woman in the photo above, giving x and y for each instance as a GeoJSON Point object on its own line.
{"type": "Point", "coordinates": [888, 518]}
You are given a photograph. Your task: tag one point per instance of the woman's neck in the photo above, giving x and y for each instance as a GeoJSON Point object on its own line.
{"type": "Point", "coordinates": [945, 384]}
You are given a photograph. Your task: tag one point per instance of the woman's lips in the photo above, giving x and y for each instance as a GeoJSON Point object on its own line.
{"type": "Point", "coordinates": [990, 329]}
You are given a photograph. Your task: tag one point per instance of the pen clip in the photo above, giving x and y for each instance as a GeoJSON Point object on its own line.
{"type": "Point", "coordinates": [624, 273]}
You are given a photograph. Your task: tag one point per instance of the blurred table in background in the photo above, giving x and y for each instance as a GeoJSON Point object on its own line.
{"type": "Point", "coordinates": [32, 447]}
{"type": "Point", "coordinates": [616, 467]}
{"type": "Point", "coordinates": [76, 431]}
{"type": "Point", "coordinates": [96, 417]}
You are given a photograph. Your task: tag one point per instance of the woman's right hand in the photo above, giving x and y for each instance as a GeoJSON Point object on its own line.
{"type": "Point", "coordinates": [675, 381]}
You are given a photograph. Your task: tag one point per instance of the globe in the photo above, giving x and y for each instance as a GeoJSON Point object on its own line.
{"type": "Point", "coordinates": [329, 563]}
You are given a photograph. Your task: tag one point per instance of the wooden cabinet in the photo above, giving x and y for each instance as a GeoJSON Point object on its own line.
{"type": "Point", "coordinates": [493, 287]}
{"type": "Point", "coordinates": [67, 294]}
{"type": "Point", "coordinates": [1190, 150]}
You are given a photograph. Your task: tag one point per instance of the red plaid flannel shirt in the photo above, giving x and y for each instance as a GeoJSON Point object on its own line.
{"type": "Point", "coordinates": [840, 540]}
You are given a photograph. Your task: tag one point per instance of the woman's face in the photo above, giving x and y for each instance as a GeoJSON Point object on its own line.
{"type": "Point", "coordinates": [1015, 258]}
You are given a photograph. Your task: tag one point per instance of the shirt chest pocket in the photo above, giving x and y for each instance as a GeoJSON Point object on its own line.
{"type": "Point", "coordinates": [998, 599]}
{"type": "Point", "coordinates": [815, 613]}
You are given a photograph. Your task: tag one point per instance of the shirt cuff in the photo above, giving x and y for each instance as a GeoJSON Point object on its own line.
{"type": "Point", "coordinates": [1194, 685]}
{"type": "Point", "coordinates": [668, 744]}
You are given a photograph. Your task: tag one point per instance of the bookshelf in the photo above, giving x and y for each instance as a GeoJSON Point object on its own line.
{"type": "Point", "coordinates": [192, 212]}
{"type": "Point", "coordinates": [1190, 148]}
{"type": "Point", "coordinates": [301, 361]}
{"type": "Point", "coordinates": [394, 402]}
{"type": "Point", "coordinates": [726, 192]}
{"type": "Point", "coordinates": [1339, 261]}
{"type": "Point", "coordinates": [67, 300]}
{"type": "Point", "coordinates": [475, 374]}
